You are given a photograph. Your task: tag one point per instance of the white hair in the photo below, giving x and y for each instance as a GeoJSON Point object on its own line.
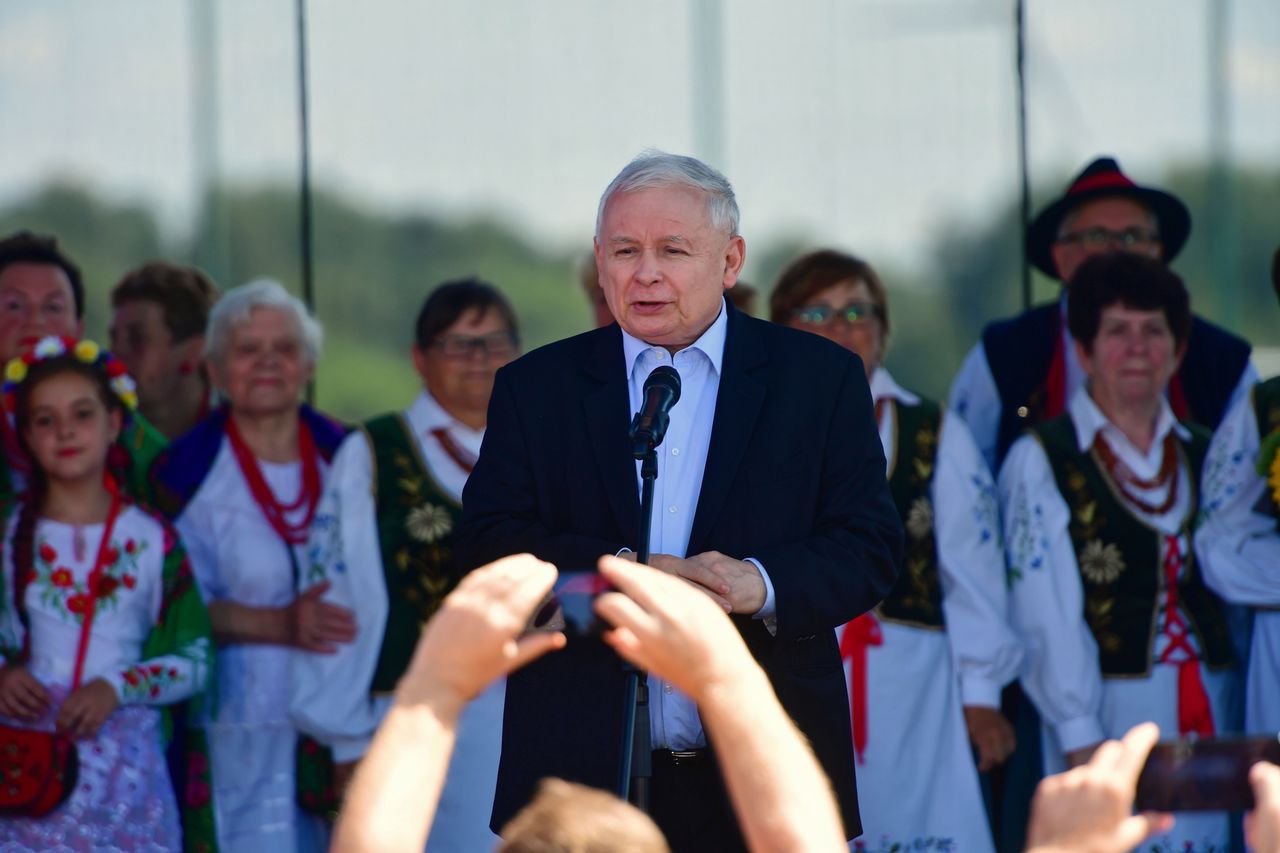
{"type": "Point", "coordinates": [234, 308]}
{"type": "Point", "coordinates": [652, 169]}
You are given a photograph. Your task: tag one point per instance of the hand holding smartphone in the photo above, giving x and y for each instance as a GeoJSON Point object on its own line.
{"type": "Point", "coordinates": [1207, 774]}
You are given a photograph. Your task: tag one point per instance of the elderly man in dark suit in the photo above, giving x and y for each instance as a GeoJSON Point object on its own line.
{"type": "Point", "coordinates": [771, 497]}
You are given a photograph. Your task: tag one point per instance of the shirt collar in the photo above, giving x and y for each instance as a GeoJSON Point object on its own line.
{"type": "Point", "coordinates": [710, 343]}
{"type": "Point", "coordinates": [426, 414]}
{"type": "Point", "coordinates": [1089, 421]}
{"type": "Point", "coordinates": [883, 385]}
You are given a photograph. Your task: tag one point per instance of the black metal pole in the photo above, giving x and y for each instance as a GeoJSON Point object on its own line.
{"type": "Point", "coordinates": [637, 760]}
{"type": "Point", "coordinates": [1020, 28]}
{"type": "Point", "coordinates": [304, 195]}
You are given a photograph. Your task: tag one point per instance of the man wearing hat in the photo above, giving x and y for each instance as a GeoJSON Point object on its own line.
{"type": "Point", "coordinates": [1025, 371]}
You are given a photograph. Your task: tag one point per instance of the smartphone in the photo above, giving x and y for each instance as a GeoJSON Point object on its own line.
{"type": "Point", "coordinates": [571, 606]}
{"type": "Point", "coordinates": [1206, 774]}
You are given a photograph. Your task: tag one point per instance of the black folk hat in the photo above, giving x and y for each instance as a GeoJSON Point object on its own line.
{"type": "Point", "coordinates": [1103, 179]}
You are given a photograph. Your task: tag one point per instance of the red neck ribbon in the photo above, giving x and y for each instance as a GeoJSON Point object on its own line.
{"type": "Point", "coordinates": [857, 637]}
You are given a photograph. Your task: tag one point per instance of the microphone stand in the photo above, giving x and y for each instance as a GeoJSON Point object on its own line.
{"type": "Point", "coordinates": [636, 771]}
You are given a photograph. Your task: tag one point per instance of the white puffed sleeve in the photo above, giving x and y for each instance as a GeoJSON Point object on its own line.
{"type": "Point", "coordinates": [330, 697]}
{"type": "Point", "coordinates": [971, 566]}
{"type": "Point", "coordinates": [1237, 539]}
{"type": "Point", "coordinates": [1046, 599]}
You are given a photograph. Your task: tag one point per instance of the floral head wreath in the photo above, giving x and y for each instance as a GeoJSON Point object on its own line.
{"type": "Point", "coordinates": [86, 352]}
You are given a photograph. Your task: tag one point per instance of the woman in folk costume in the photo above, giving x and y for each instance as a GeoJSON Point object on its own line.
{"type": "Point", "coordinates": [1099, 506]}
{"type": "Point", "coordinates": [243, 487]}
{"type": "Point", "coordinates": [940, 640]}
{"type": "Point", "coordinates": [101, 622]}
{"type": "Point", "coordinates": [383, 539]}
{"type": "Point", "coordinates": [1238, 541]}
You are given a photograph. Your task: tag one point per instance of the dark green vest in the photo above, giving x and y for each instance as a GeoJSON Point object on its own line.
{"type": "Point", "coordinates": [1266, 406]}
{"type": "Point", "coordinates": [1119, 556]}
{"type": "Point", "coordinates": [916, 597]}
{"type": "Point", "coordinates": [416, 520]}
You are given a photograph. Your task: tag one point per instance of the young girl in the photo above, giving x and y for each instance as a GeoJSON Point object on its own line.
{"type": "Point", "coordinates": [75, 550]}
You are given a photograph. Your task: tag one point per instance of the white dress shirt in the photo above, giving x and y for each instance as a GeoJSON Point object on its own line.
{"type": "Point", "coordinates": [682, 457]}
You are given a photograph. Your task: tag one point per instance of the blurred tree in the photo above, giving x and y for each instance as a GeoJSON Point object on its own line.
{"type": "Point", "coordinates": [372, 270]}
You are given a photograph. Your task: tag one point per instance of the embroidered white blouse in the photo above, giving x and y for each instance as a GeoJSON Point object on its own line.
{"type": "Point", "coordinates": [971, 567]}
{"type": "Point", "coordinates": [330, 698]}
{"type": "Point", "coordinates": [1061, 671]}
{"type": "Point", "coordinates": [131, 596]}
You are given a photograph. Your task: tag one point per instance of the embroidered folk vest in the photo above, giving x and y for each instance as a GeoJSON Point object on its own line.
{"type": "Point", "coordinates": [416, 519]}
{"type": "Point", "coordinates": [1120, 559]}
{"type": "Point", "coordinates": [916, 597]}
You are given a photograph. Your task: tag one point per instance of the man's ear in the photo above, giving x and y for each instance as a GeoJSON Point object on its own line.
{"type": "Point", "coordinates": [191, 353]}
{"type": "Point", "coordinates": [419, 362]}
{"type": "Point", "coordinates": [735, 255]}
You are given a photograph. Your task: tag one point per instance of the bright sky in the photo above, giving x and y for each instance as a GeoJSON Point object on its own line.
{"type": "Point", "coordinates": [865, 124]}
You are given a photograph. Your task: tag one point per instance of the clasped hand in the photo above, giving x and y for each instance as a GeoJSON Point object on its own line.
{"type": "Point", "coordinates": [736, 585]}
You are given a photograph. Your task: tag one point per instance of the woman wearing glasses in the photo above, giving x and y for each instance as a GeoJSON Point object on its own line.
{"type": "Point", "coordinates": [1099, 507]}
{"type": "Point", "coordinates": [383, 539]}
{"type": "Point", "coordinates": [917, 784]}
{"type": "Point", "coordinates": [243, 486]}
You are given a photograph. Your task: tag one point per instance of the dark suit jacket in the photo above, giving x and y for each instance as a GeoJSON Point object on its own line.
{"type": "Point", "coordinates": [795, 477]}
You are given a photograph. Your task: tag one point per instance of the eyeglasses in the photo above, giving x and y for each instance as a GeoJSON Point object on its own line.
{"type": "Point", "coordinates": [1105, 238]}
{"type": "Point", "coordinates": [462, 346]}
{"type": "Point", "coordinates": [820, 315]}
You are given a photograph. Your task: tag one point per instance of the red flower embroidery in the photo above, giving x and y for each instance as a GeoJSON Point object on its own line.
{"type": "Point", "coordinates": [130, 546]}
{"type": "Point", "coordinates": [47, 554]}
{"type": "Point", "coordinates": [129, 581]}
{"type": "Point", "coordinates": [106, 586]}
{"type": "Point", "coordinates": [112, 555]}
{"type": "Point", "coordinates": [156, 669]}
{"type": "Point", "coordinates": [78, 603]}
{"type": "Point", "coordinates": [61, 577]}
{"type": "Point", "coordinates": [173, 672]}
{"type": "Point", "coordinates": [131, 677]}
{"type": "Point", "coordinates": [155, 690]}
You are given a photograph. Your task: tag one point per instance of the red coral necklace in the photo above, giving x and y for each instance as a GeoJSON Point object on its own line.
{"type": "Point", "coordinates": [275, 512]}
{"type": "Point", "coordinates": [1126, 481]}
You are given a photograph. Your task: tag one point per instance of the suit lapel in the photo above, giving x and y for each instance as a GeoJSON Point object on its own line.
{"type": "Point", "coordinates": [738, 405]}
{"type": "Point", "coordinates": [607, 408]}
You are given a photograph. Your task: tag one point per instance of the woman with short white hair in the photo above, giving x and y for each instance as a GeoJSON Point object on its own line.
{"type": "Point", "coordinates": [243, 487]}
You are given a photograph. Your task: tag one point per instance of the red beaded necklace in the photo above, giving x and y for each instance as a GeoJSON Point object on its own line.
{"type": "Point", "coordinates": [275, 512]}
{"type": "Point", "coordinates": [1126, 480]}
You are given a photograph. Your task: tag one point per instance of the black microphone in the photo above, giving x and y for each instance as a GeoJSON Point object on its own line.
{"type": "Point", "coordinates": [661, 391]}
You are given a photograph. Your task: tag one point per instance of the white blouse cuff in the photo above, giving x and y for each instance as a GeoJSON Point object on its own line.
{"type": "Point", "coordinates": [1079, 732]}
{"type": "Point", "coordinates": [349, 749]}
{"type": "Point", "coordinates": [116, 680]}
{"type": "Point", "coordinates": [976, 690]}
